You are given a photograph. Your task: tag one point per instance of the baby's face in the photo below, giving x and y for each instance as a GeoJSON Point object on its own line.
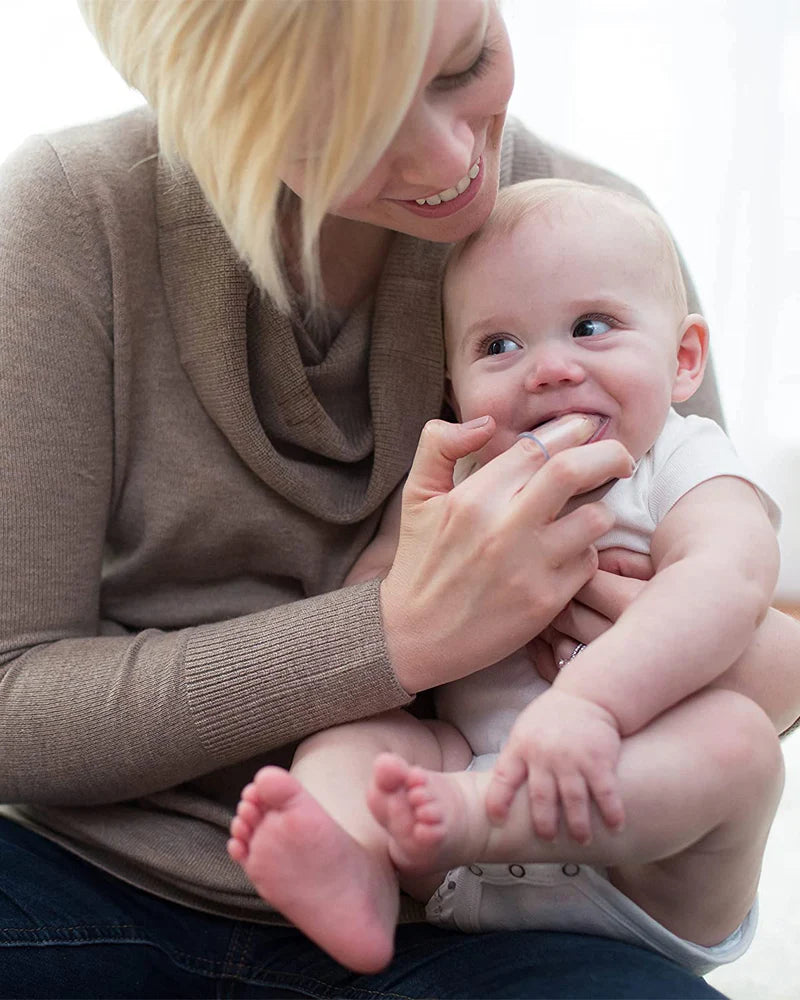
{"type": "Point", "coordinates": [567, 314]}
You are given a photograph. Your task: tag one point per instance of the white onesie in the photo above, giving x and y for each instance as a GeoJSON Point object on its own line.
{"type": "Point", "coordinates": [483, 706]}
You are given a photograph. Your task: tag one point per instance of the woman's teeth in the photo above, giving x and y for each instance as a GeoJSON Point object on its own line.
{"type": "Point", "coordinates": [450, 193]}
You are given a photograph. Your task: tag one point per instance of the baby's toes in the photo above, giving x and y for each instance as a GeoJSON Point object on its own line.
{"type": "Point", "coordinates": [250, 812]}
{"type": "Point", "coordinates": [429, 811]}
{"type": "Point", "coordinates": [419, 795]}
{"type": "Point", "coordinates": [241, 830]}
{"type": "Point", "coordinates": [251, 794]}
{"type": "Point", "coordinates": [237, 850]}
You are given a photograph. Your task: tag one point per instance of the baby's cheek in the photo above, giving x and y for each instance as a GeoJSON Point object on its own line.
{"type": "Point", "coordinates": [500, 442]}
{"type": "Point", "coordinates": [470, 404]}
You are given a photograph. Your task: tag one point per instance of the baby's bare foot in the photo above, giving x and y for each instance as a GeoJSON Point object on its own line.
{"type": "Point", "coordinates": [311, 870]}
{"type": "Point", "coordinates": [431, 817]}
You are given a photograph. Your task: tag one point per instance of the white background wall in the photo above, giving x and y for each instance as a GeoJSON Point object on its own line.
{"type": "Point", "coordinates": [698, 102]}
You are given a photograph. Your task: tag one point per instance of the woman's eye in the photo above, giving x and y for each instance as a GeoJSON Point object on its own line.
{"type": "Point", "coordinates": [501, 345]}
{"type": "Point", "coordinates": [481, 65]}
{"type": "Point", "coordinates": [590, 327]}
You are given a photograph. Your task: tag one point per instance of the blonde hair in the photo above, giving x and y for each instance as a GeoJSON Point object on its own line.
{"type": "Point", "coordinates": [237, 83]}
{"type": "Point", "coordinates": [520, 201]}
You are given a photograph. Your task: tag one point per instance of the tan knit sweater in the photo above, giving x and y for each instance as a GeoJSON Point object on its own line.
{"type": "Point", "coordinates": [186, 480]}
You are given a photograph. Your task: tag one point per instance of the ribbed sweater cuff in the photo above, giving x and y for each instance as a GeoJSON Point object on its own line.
{"type": "Point", "coordinates": [262, 681]}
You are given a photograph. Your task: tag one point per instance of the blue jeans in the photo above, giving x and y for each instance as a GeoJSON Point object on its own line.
{"type": "Point", "coordinates": [68, 930]}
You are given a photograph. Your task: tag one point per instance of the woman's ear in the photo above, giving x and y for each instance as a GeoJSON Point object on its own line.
{"type": "Point", "coordinates": [692, 357]}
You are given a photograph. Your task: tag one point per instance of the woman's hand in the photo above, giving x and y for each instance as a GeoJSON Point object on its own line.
{"type": "Point", "coordinates": [484, 566]}
{"type": "Point", "coordinates": [618, 581]}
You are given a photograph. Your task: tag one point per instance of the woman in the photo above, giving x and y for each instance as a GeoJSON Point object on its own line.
{"type": "Point", "coordinates": [215, 370]}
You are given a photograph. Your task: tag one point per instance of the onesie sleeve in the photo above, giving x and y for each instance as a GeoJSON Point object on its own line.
{"type": "Point", "coordinates": [690, 451]}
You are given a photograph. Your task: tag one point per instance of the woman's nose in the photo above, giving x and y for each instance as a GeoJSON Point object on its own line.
{"type": "Point", "coordinates": [552, 367]}
{"type": "Point", "coordinates": [434, 149]}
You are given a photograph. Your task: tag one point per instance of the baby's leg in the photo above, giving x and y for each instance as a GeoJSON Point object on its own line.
{"type": "Point", "coordinates": [309, 844]}
{"type": "Point", "coordinates": [766, 674]}
{"type": "Point", "coordinates": [720, 797]}
{"type": "Point", "coordinates": [700, 785]}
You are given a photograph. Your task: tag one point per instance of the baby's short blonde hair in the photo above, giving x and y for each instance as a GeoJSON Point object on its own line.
{"type": "Point", "coordinates": [520, 201]}
{"type": "Point", "coordinates": [237, 83]}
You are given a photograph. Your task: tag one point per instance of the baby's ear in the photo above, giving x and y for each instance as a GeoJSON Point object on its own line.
{"type": "Point", "coordinates": [692, 357]}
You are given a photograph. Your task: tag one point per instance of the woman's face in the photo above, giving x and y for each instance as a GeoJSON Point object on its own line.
{"type": "Point", "coordinates": [447, 149]}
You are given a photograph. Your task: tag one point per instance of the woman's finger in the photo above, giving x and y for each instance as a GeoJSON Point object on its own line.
{"type": "Point", "coordinates": [441, 444]}
{"type": "Point", "coordinates": [625, 562]}
{"type": "Point", "coordinates": [572, 472]}
{"type": "Point", "coordinates": [505, 475]}
{"type": "Point", "coordinates": [564, 647]}
{"type": "Point", "coordinates": [608, 594]}
{"type": "Point", "coordinates": [567, 431]}
{"type": "Point", "coordinates": [541, 654]}
{"type": "Point", "coordinates": [575, 532]}
{"type": "Point", "coordinates": [600, 602]}
{"type": "Point", "coordinates": [580, 623]}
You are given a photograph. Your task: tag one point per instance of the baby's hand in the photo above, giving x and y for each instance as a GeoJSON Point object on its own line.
{"type": "Point", "coordinates": [567, 748]}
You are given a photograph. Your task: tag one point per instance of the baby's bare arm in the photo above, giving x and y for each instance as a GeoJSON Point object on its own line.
{"type": "Point", "coordinates": [766, 672]}
{"type": "Point", "coordinates": [716, 561]}
{"type": "Point", "coordinates": [378, 556]}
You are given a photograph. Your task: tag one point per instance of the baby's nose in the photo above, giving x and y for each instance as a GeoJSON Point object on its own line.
{"type": "Point", "coordinates": [553, 367]}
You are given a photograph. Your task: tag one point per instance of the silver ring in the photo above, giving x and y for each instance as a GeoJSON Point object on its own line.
{"type": "Point", "coordinates": [532, 437]}
{"type": "Point", "coordinates": [579, 648]}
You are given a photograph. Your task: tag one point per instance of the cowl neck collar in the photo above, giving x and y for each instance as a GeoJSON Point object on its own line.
{"type": "Point", "coordinates": [208, 290]}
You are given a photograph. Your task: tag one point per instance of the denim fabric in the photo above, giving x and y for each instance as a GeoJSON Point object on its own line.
{"type": "Point", "coordinates": [69, 930]}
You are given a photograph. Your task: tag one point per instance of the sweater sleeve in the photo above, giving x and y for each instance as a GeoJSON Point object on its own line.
{"type": "Point", "coordinates": [86, 716]}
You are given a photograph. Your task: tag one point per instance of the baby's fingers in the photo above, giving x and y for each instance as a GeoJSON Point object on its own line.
{"type": "Point", "coordinates": [605, 792]}
{"type": "Point", "coordinates": [574, 794]}
{"type": "Point", "coordinates": [507, 777]}
{"type": "Point", "coordinates": [543, 795]}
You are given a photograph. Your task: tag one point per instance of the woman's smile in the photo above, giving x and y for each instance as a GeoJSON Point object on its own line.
{"type": "Point", "coordinates": [450, 200]}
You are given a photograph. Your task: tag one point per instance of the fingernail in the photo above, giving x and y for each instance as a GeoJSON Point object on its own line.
{"type": "Point", "coordinates": [476, 422]}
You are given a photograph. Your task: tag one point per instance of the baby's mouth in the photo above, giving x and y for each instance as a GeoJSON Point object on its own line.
{"type": "Point", "coordinates": [596, 425]}
{"type": "Point", "coordinates": [602, 426]}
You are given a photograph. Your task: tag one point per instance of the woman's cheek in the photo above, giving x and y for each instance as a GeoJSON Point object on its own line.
{"type": "Point", "coordinates": [365, 195]}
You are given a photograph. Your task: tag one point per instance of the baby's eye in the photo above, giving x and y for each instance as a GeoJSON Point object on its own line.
{"type": "Point", "coordinates": [590, 326]}
{"type": "Point", "coordinates": [501, 345]}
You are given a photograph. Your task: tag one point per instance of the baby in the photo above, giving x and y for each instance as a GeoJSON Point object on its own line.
{"type": "Point", "coordinates": [633, 796]}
